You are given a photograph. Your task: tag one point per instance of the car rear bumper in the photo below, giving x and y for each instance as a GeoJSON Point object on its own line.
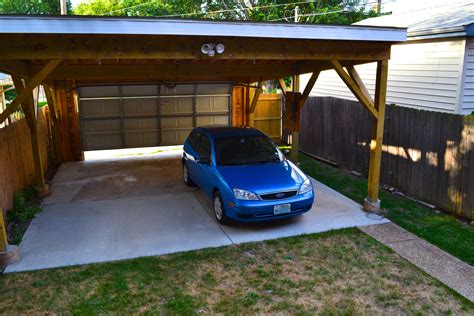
{"type": "Point", "coordinates": [253, 211]}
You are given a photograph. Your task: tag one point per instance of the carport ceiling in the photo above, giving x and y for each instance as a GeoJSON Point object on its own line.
{"type": "Point", "coordinates": [98, 49]}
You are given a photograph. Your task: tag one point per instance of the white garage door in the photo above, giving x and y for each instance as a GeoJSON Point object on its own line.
{"type": "Point", "coordinates": [127, 116]}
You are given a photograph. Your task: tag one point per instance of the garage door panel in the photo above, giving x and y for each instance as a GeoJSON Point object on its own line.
{"type": "Point", "coordinates": [100, 126]}
{"type": "Point", "coordinates": [176, 122]}
{"type": "Point", "coordinates": [212, 120]}
{"type": "Point", "coordinates": [99, 91]}
{"type": "Point", "coordinates": [178, 89]}
{"type": "Point", "coordinates": [149, 115]}
{"type": "Point", "coordinates": [140, 107]}
{"type": "Point", "coordinates": [169, 106]}
{"type": "Point", "coordinates": [213, 88]}
{"type": "Point", "coordinates": [142, 139]}
{"type": "Point", "coordinates": [212, 104]}
{"type": "Point", "coordinates": [100, 108]}
{"type": "Point", "coordinates": [101, 141]}
{"type": "Point", "coordinates": [136, 124]}
{"type": "Point", "coordinates": [173, 137]}
{"type": "Point", "coordinates": [140, 90]}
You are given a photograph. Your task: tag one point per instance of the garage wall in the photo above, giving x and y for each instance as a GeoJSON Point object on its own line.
{"type": "Point", "coordinates": [127, 116]}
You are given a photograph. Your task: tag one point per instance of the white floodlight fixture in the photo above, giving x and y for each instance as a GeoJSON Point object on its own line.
{"type": "Point", "coordinates": [220, 48]}
{"type": "Point", "coordinates": [206, 48]}
{"type": "Point", "coordinates": [211, 49]}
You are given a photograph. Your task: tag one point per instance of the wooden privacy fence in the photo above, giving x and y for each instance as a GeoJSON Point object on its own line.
{"type": "Point", "coordinates": [16, 159]}
{"type": "Point", "coordinates": [268, 115]}
{"type": "Point", "coordinates": [427, 154]}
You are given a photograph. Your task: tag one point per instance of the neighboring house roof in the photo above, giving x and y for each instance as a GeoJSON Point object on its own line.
{"type": "Point", "coordinates": [156, 26]}
{"type": "Point", "coordinates": [454, 19]}
{"type": "Point", "coordinates": [5, 80]}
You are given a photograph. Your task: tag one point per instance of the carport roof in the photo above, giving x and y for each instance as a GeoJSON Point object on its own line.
{"type": "Point", "coordinates": [156, 26]}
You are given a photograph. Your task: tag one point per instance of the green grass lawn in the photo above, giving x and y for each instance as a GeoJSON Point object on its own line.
{"type": "Point", "coordinates": [443, 230]}
{"type": "Point", "coordinates": [339, 272]}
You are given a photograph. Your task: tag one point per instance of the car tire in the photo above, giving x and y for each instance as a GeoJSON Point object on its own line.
{"type": "Point", "coordinates": [186, 177]}
{"type": "Point", "coordinates": [219, 210]}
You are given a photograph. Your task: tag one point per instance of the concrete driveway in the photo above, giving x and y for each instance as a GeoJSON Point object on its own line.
{"type": "Point", "coordinates": [131, 207]}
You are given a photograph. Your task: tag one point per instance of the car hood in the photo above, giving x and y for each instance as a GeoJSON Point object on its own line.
{"type": "Point", "coordinates": [263, 178]}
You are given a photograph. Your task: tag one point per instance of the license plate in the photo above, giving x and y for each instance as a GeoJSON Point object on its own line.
{"type": "Point", "coordinates": [281, 209]}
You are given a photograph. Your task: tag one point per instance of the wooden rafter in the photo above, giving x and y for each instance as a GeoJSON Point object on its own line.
{"type": "Point", "coordinates": [354, 87]}
{"type": "Point", "coordinates": [29, 87]}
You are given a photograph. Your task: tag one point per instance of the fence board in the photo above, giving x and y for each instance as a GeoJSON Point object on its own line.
{"type": "Point", "coordinates": [16, 162]}
{"type": "Point", "coordinates": [429, 155]}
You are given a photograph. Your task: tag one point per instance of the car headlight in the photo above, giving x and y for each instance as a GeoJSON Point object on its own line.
{"type": "Point", "coordinates": [244, 195]}
{"type": "Point", "coordinates": [305, 187]}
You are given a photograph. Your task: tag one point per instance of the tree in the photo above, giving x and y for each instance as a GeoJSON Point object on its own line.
{"type": "Point", "coordinates": [137, 7]}
{"type": "Point", "coordinates": [318, 11]}
{"type": "Point", "coordinates": [31, 7]}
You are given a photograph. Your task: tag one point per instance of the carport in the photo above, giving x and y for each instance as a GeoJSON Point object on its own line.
{"type": "Point", "coordinates": [128, 82]}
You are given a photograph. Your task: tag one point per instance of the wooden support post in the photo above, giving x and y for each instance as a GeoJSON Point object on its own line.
{"type": "Point", "coordinates": [56, 129]}
{"type": "Point", "coordinates": [372, 202]}
{"type": "Point", "coordinates": [253, 105]}
{"type": "Point", "coordinates": [8, 254]}
{"type": "Point", "coordinates": [294, 134]}
{"type": "Point", "coordinates": [29, 111]}
{"type": "Point", "coordinates": [3, 234]}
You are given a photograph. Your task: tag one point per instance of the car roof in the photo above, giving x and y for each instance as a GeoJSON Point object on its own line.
{"type": "Point", "coordinates": [229, 131]}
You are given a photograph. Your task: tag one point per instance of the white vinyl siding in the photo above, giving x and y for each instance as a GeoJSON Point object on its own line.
{"type": "Point", "coordinates": [467, 103]}
{"type": "Point", "coordinates": [422, 75]}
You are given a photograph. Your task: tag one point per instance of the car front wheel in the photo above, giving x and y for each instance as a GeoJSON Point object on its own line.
{"type": "Point", "coordinates": [219, 210]}
{"type": "Point", "coordinates": [186, 177]}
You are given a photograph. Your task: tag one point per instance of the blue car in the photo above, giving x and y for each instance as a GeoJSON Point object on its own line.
{"type": "Point", "coordinates": [245, 174]}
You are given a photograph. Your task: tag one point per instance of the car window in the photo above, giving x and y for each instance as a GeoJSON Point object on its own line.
{"type": "Point", "coordinates": [239, 150]}
{"type": "Point", "coordinates": [193, 138]}
{"type": "Point", "coordinates": [203, 147]}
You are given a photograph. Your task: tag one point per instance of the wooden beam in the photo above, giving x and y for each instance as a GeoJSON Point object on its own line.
{"type": "Point", "coordinates": [256, 96]}
{"type": "Point", "coordinates": [56, 128]}
{"type": "Point", "coordinates": [283, 85]}
{"type": "Point", "coordinates": [295, 135]}
{"type": "Point", "coordinates": [358, 80]}
{"type": "Point", "coordinates": [352, 85]}
{"type": "Point", "coordinates": [3, 234]}
{"type": "Point", "coordinates": [309, 87]}
{"type": "Point", "coordinates": [253, 105]}
{"type": "Point", "coordinates": [28, 104]}
{"type": "Point", "coordinates": [15, 67]}
{"type": "Point", "coordinates": [64, 46]}
{"type": "Point", "coordinates": [185, 71]}
{"type": "Point", "coordinates": [372, 203]}
{"type": "Point", "coordinates": [29, 87]}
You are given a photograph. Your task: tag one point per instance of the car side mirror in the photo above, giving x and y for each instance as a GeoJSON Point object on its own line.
{"type": "Point", "coordinates": [204, 161]}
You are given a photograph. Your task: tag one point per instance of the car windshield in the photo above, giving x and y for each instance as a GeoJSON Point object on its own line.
{"type": "Point", "coordinates": [241, 150]}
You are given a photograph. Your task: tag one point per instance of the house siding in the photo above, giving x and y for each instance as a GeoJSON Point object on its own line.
{"type": "Point", "coordinates": [467, 102]}
{"type": "Point", "coordinates": [423, 75]}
